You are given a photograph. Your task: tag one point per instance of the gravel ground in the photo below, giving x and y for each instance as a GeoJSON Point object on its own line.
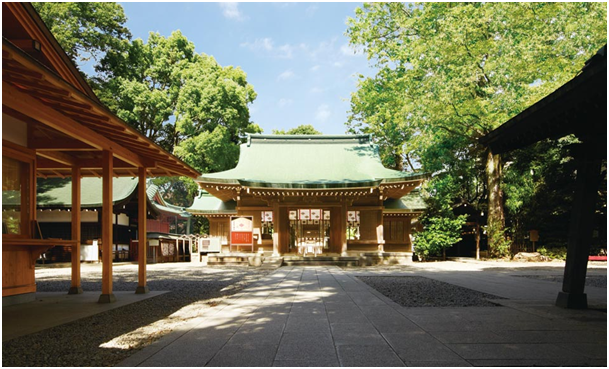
{"type": "Point", "coordinates": [591, 281]}
{"type": "Point", "coordinates": [426, 292]}
{"type": "Point", "coordinates": [81, 343]}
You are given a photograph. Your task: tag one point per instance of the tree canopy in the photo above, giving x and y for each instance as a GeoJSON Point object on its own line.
{"type": "Point", "coordinates": [448, 73]}
{"type": "Point", "coordinates": [85, 30]}
{"type": "Point", "coordinates": [303, 129]}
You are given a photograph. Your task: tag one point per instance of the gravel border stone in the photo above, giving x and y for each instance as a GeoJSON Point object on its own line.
{"type": "Point", "coordinates": [426, 292]}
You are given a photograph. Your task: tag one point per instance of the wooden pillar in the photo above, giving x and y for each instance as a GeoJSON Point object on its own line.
{"type": "Point", "coordinates": [284, 235]}
{"type": "Point", "coordinates": [380, 232]}
{"type": "Point", "coordinates": [106, 222]}
{"type": "Point", "coordinates": [75, 286]}
{"type": "Point", "coordinates": [278, 229]}
{"type": "Point", "coordinates": [142, 216]}
{"type": "Point", "coordinates": [343, 229]}
{"type": "Point", "coordinates": [580, 230]}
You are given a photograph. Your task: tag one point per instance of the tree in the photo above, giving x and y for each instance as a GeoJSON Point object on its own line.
{"type": "Point", "coordinates": [85, 30]}
{"type": "Point", "coordinates": [439, 233]}
{"type": "Point", "coordinates": [461, 70]}
{"type": "Point", "coordinates": [303, 129]}
{"type": "Point", "coordinates": [185, 101]}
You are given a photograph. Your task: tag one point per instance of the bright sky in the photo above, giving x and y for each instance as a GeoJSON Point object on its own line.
{"type": "Point", "coordinates": [295, 54]}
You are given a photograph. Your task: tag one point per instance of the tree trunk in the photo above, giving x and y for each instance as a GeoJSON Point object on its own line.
{"type": "Point", "coordinates": [399, 164]}
{"type": "Point", "coordinates": [496, 216]}
{"type": "Point", "coordinates": [477, 241]}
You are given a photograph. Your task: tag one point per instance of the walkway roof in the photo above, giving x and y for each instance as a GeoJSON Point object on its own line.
{"type": "Point", "coordinates": [578, 107]}
{"type": "Point", "coordinates": [67, 125]}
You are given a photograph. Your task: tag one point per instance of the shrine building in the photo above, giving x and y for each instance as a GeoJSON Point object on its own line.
{"type": "Point", "coordinates": [311, 195]}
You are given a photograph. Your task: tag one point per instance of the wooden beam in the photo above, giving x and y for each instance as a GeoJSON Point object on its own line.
{"type": "Point", "coordinates": [142, 287]}
{"type": "Point", "coordinates": [17, 69]}
{"type": "Point", "coordinates": [106, 221]}
{"type": "Point", "coordinates": [77, 110]}
{"type": "Point", "coordinates": [75, 287]}
{"type": "Point", "coordinates": [58, 157]}
{"type": "Point", "coordinates": [30, 106]}
{"type": "Point", "coordinates": [35, 85]}
{"type": "Point", "coordinates": [60, 99]}
{"type": "Point", "coordinates": [58, 145]}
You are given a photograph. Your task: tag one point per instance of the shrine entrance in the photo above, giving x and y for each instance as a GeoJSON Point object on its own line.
{"type": "Point", "coordinates": [309, 231]}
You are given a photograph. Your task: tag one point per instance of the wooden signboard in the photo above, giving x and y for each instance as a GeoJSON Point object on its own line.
{"type": "Point", "coordinates": [241, 232]}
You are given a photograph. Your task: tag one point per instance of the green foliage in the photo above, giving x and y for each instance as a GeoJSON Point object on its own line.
{"type": "Point", "coordinates": [557, 253]}
{"type": "Point", "coordinates": [539, 184]}
{"type": "Point", "coordinates": [303, 129]}
{"type": "Point", "coordinates": [85, 30]}
{"type": "Point", "coordinates": [209, 151]}
{"type": "Point", "coordinates": [185, 101]}
{"type": "Point", "coordinates": [179, 191]}
{"type": "Point", "coordinates": [439, 233]}
{"type": "Point", "coordinates": [499, 244]}
{"type": "Point", "coordinates": [448, 73]}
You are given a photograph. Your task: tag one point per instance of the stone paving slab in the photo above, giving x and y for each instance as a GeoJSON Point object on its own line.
{"type": "Point", "coordinates": [324, 316]}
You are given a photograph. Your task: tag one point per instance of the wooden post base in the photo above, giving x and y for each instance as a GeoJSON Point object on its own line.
{"type": "Point", "coordinates": [106, 298]}
{"type": "Point", "coordinates": [140, 290]}
{"type": "Point", "coordinates": [572, 300]}
{"type": "Point", "coordinates": [75, 290]}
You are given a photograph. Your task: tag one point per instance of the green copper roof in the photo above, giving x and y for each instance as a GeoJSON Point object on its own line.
{"type": "Point", "coordinates": [411, 202]}
{"type": "Point", "coordinates": [303, 161]}
{"type": "Point", "coordinates": [57, 192]}
{"type": "Point", "coordinates": [207, 204]}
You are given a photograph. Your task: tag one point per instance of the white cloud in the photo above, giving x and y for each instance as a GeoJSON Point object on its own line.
{"type": "Point", "coordinates": [231, 11]}
{"type": "Point", "coordinates": [316, 90]}
{"type": "Point", "coordinates": [288, 74]}
{"type": "Point", "coordinates": [311, 9]}
{"type": "Point", "coordinates": [323, 113]}
{"type": "Point", "coordinates": [315, 68]}
{"type": "Point", "coordinates": [285, 51]}
{"type": "Point", "coordinates": [259, 44]}
{"type": "Point", "coordinates": [283, 102]}
{"type": "Point", "coordinates": [268, 45]}
{"type": "Point", "coordinates": [337, 64]}
{"type": "Point", "coordinates": [348, 50]}
{"type": "Point", "coordinates": [323, 49]}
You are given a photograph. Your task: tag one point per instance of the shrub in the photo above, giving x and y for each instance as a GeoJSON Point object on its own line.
{"type": "Point", "coordinates": [559, 253]}
{"type": "Point", "coordinates": [439, 234]}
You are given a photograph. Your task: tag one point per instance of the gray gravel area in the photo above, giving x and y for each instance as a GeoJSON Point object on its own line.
{"type": "Point", "coordinates": [591, 281]}
{"type": "Point", "coordinates": [426, 292]}
{"type": "Point", "coordinates": [85, 343]}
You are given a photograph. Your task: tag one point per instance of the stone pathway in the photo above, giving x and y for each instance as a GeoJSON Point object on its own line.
{"type": "Point", "coordinates": [324, 316]}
